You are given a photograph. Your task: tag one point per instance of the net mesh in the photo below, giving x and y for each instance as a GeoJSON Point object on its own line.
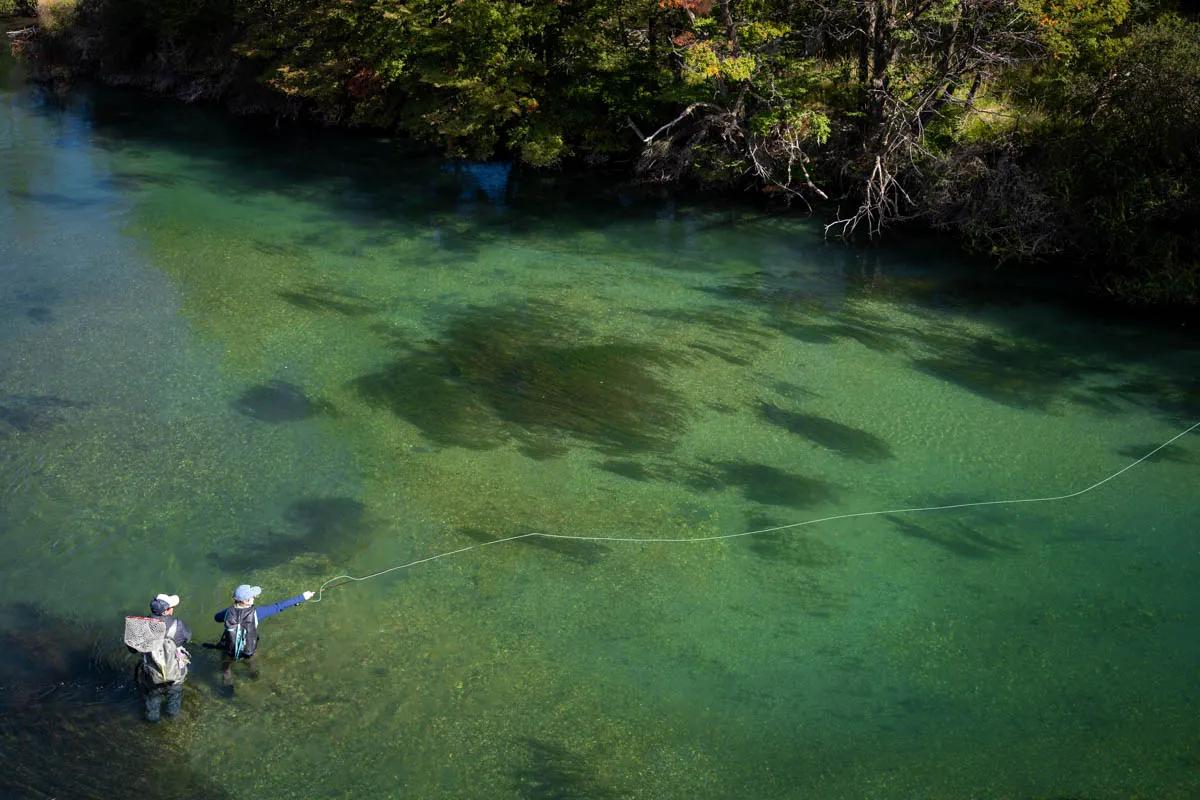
{"type": "Point", "coordinates": [142, 633]}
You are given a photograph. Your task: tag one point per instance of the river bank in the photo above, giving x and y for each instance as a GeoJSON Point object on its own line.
{"type": "Point", "coordinates": [1023, 144]}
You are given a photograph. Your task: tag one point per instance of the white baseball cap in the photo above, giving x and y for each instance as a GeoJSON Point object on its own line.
{"type": "Point", "coordinates": [171, 600]}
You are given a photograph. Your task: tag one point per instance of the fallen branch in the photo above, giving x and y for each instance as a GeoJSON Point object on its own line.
{"type": "Point", "coordinates": [684, 114]}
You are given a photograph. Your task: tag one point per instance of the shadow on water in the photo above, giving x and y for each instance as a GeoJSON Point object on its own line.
{"type": "Point", "coordinates": [581, 552]}
{"type": "Point", "coordinates": [842, 439]}
{"type": "Point", "coordinates": [551, 772]}
{"type": "Point", "coordinates": [70, 723]}
{"type": "Point", "coordinates": [333, 528]}
{"type": "Point", "coordinates": [501, 374]}
{"type": "Point", "coordinates": [279, 401]}
{"type": "Point", "coordinates": [954, 537]}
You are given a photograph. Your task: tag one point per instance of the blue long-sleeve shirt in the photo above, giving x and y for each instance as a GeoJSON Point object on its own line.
{"type": "Point", "coordinates": [266, 611]}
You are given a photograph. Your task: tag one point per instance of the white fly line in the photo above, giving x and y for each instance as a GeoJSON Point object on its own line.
{"type": "Point", "coordinates": [719, 537]}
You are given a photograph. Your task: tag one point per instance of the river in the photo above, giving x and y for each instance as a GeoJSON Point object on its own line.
{"type": "Point", "coordinates": [233, 354]}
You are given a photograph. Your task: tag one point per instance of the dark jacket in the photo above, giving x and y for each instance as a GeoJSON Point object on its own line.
{"type": "Point", "coordinates": [266, 611]}
{"type": "Point", "coordinates": [250, 622]}
{"type": "Point", "coordinates": [183, 634]}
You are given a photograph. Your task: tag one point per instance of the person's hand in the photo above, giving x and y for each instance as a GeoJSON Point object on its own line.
{"type": "Point", "coordinates": [309, 595]}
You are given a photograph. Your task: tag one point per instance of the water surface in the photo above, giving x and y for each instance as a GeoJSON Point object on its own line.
{"type": "Point", "coordinates": [230, 354]}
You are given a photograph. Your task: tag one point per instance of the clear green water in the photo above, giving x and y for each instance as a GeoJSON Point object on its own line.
{"type": "Point", "coordinates": [232, 355]}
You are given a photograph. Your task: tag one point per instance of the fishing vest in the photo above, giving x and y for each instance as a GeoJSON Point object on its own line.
{"type": "Point", "coordinates": [240, 638]}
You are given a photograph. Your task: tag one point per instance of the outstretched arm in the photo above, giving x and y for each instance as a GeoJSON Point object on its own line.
{"type": "Point", "coordinates": [282, 605]}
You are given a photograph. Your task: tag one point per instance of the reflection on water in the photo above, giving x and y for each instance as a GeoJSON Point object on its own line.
{"type": "Point", "coordinates": [236, 354]}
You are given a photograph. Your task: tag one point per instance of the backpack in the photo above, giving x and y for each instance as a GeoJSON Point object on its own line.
{"type": "Point", "coordinates": [241, 632]}
{"type": "Point", "coordinates": [163, 661]}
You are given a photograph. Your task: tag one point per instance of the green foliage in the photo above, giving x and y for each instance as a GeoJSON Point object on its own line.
{"type": "Point", "coordinates": [1131, 172]}
{"type": "Point", "coordinates": [1089, 106]}
{"type": "Point", "coordinates": [1073, 30]}
{"type": "Point", "coordinates": [55, 15]}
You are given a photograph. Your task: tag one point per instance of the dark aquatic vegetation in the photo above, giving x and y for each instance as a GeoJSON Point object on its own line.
{"type": "Point", "coordinates": [39, 314]}
{"type": "Point", "coordinates": [627, 469]}
{"type": "Point", "coordinates": [133, 180]}
{"type": "Point", "coordinates": [757, 482]}
{"type": "Point", "coordinates": [768, 290]}
{"type": "Point", "coordinates": [332, 528]}
{"type": "Point", "coordinates": [323, 298]}
{"type": "Point", "coordinates": [864, 329]}
{"type": "Point", "coordinates": [791, 547]}
{"type": "Point", "coordinates": [791, 390]}
{"type": "Point", "coordinates": [502, 374]}
{"type": "Point", "coordinates": [581, 552]}
{"type": "Point", "coordinates": [1175, 454]}
{"type": "Point", "coordinates": [27, 413]}
{"type": "Point", "coordinates": [17, 474]}
{"type": "Point", "coordinates": [1174, 395]}
{"type": "Point", "coordinates": [1020, 374]}
{"type": "Point", "coordinates": [726, 355]}
{"type": "Point", "coordinates": [805, 331]}
{"type": "Point", "coordinates": [842, 439]}
{"type": "Point", "coordinates": [866, 335]}
{"type": "Point", "coordinates": [68, 724]}
{"type": "Point", "coordinates": [286, 250]}
{"type": "Point", "coordinates": [773, 486]}
{"type": "Point", "coordinates": [55, 199]}
{"type": "Point", "coordinates": [723, 325]}
{"type": "Point", "coordinates": [279, 401]}
{"type": "Point", "coordinates": [954, 537]}
{"type": "Point", "coordinates": [552, 772]}
{"type": "Point", "coordinates": [336, 517]}
{"type": "Point", "coordinates": [544, 449]}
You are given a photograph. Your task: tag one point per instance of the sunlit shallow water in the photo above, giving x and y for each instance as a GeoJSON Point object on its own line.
{"type": "Point", "coordinates": [233, 355]}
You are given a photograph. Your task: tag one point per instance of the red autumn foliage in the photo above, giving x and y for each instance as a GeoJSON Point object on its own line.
{"type": "Point", "coordinates": [700, 8]}
{"type": "Point", "coordinates": [365, 82]}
